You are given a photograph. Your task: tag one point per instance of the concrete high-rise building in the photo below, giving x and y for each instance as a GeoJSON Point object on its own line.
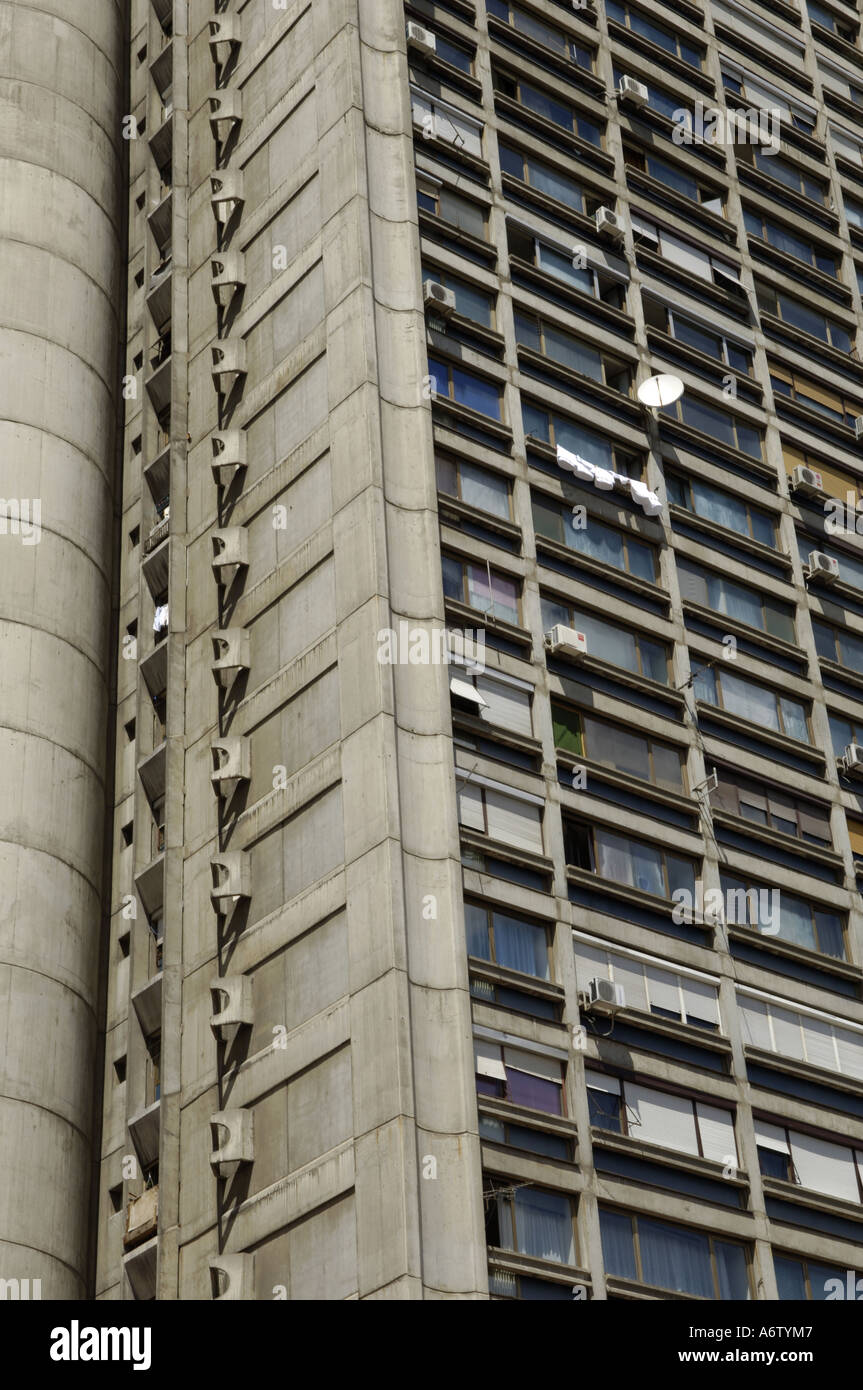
{"type": "Point", "coordinates": [332, 968]}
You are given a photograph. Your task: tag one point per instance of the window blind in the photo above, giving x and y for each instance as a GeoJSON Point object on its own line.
{"type": "Point", "coordinates": [513, 822]}
{"type": "Point", "coordinates": [507, 705]}
{"type": "Point", "coordinates": [716, 1127]}
{"type": "Point", "coordinates": [660, 1118]}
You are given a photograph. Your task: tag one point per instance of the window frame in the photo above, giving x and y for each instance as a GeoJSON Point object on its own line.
{"type": "Point", "coordinates": [710, 1236]}
{"type": "Point", "coordinates": [591, 828]}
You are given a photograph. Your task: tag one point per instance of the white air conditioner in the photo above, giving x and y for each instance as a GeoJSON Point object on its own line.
{"type": "Point", "coordinates": [858, 427]}
{"type": "Point", "coordinates": [631, 92]}
{"type": "Point", "coordinates": [566, 640]}
{"type": "Point", "coordinates": [824, 566]}
{"type": "Point", "coordinates": [420, 39]}
{"type": "Point", "coordinates": [608, 224]}
{"type": "Point", "coordinates": [439, 298]}
{"type": "Point", "coordinates": [605, 995]}
{"type": "Point", "coordinates": [852, 760]}
{"type": "Point", "coordinates": [807, 481]}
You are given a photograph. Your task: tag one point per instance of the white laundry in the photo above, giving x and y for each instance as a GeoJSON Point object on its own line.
{"type": "Point", "coordinates": [160, 618]}
{"type": "Point", "coordinates": [574, 463]}
{"type": "Point", "coordinates": [603, 478]}
{"type": "Point", "coordinates": [649, 502]}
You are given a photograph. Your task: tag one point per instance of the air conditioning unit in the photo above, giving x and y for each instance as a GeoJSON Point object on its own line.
{"type": "Point", "coordinates": [858, 427]}
{"type": "Point", "coordinates": [852, 760]}
{"type": "Point", "coordinates": [824, 566]}
{"type": "Point", "coordinates": [439, 298]}
{"type": "Point", "coordinates": [631, 92]}
{"type": "Point", "coordinates": [420, 39]}
{"type": "Point", "coordinates": [608, 224]}
{"type": "Point", "coordinates": [602, 994]}
{"type": "Point", "coordinates": [807, 481]}
{"type": "Point", "coordinates": [566, 640]}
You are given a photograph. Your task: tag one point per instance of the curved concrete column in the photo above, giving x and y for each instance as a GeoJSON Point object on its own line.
{"type": "Point", "coordinates": [61, 192]}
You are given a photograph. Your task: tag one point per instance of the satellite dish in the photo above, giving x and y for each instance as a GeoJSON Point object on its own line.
{"type": "Point", "coordinates": [660, 390]}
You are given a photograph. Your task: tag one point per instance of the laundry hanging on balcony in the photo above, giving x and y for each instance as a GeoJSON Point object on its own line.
{"type": "Point", "coordinates": [606, 480]}
{"type": "Point", "coordinates": [160, 618]}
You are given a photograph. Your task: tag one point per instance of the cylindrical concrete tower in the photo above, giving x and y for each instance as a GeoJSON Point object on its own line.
{"type": "Point", "coordinates": [61, 200]}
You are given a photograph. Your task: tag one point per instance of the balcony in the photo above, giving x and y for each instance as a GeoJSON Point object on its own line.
{"type": "Point", "coordinates": [158, 382]}
{"type": "Point", "coordinates": [162, 139]}
{"type": "Point", "coordinates": [159, 531]}
{"type": "Point", "coordinates": [145, 1128]}
{"type": "Point", "coordinates": [159, 294]}
{"type": "Point", "coordinates": [142, 1218]}
{"type": "Point", "coordinates": [160, 219]}
{"type": "Point", "coordinates": [147, 1003]}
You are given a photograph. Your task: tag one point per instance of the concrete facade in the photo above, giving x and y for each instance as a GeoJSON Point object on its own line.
{"type": "Point", "coordinates": [355, 908]}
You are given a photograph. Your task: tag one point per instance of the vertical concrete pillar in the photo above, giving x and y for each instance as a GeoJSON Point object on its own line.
{"type": "Point", "coordinates": [61, 198]}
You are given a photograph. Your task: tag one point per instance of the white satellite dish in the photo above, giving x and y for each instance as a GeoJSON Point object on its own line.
{"type": "Point", "coordinates": [661, 390]}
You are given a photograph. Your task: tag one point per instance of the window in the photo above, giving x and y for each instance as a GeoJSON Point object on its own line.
{"type": "Point", "coordinates": [834, 481]}
{"type": "Point", "coordinates": [613, 746]}
{"type": "Point", "coordinates": [507, 700]}
{"type": "Point", "coordinates": [560, 432]}
{"type": "Point", "coordinates": [546, 34]}
{"type": "Point", "coordinates": [648, 986]}
{"type": "Point", "coordinates": [532, 1221]}
{"type": "Point", "coordinates": [658, 99]}
{"type": "Point", "coordinates": [510, 817]}
{"type": "Point", "coordinates": [674, 177]}
{"type": "Point", "coordinates": [776, 167]}
{"type": "Point", "coordinates": [819, 15]}
{"type": "Point", "coordinates": [827, 401]}
{"type": "Point", "coordinates": [590, 536]}
{"type": "Point", "coordinates": [482, 588]}
{"type": "Point", "coordinates": [850, 570]}
{"type": "Point", "coordinates": [464, 387]}
{"type": "Point", "coordinates": [843, 732]}
{"type": "Point", "coordinates": [543, 178]}
{"type": "Point", "coordinates": [446, 123]}
{"type": "Point", "coordinates": [783, 239]}
{"type": "Point", "coordinates": [853, 211]}
{"type": "Point", "coordinates": [721, 425]}
{"type": "Point", "coordinates": [726, 596]}
{"type": "Point", "coordinates": [784, 916]}
{"type": "Point", "coordinates": [625, 860]}
{"type": "Point", "coordinates": [618, 645]}
{"type": "Point", "coordinates": [760, 704]}
{"type": "Point", "coordinates": [673, 1257]}
{"type": "Point", "coordinates": [683, 254]}
{"type": "Point", "coordinates": [477, 486]}
{"type": "Point", "coordinates": [768, 98]}
{"type": "Point", "coordinates": [521, 1077]}
{"type": "Point", "coordinates": [436, 198]}
{"type": "Point", "coordinates": [839, 645]}
{"type": "Point", "coordinates": [561, 265]}
{"type": "Point", "coordinates": [453, 53]}
{"type": "Point", "coordinates": [659, 1117]}
{"type": "Point", "coordinates": [720, 507]}
{"type": "Point", "coordinates": [470, 301]}
{"type": "Point", "coordinates": [705, 339]}
{"type": "Point", "coordinates": [833, 1169]}
{"type": "Point", "coordinates": [542, 103]}
{"type": "Point", "coordinates": [801, 1037]}
{"type": "Point", "coordinates": [541, 336]}
{"type": "Point", "coordinates": [639, 23]}
{"type": "Point", "coordinates": [507, 941]}
{"type": "Point", "coordinates": [805, 1279]}
{"type": "Point", "coordinates": [769, 806]}
{"type": "Point", "coordinates": [801, 316]}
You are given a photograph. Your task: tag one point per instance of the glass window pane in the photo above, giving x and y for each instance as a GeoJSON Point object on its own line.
{"type": "Point", "coordinates": [731, 1270]}
{"type": "Point", "coordinates": [483, 489]}
{"type": "Point", "coordinates": [830, 934]}
{"type": "Point", "coordinates": [794, 719]}
{"type": "Point", "coordinates": [511, 162]}
{"type": "Point", "coordinates": [641, 561]}
{"type": "Point", "coordinates": [618, 1249]}
{"type": "Point", "coordinates": [654, 661]}
{"type": "Point", "coordinates": [452, 579]}
{"type": "Point", "coordinates": [790, 1278]}
{"type": "Point", "coordinates": [753, 702]}
{"type": "Point", "coordinates": [472, 391]}
{"type": "Point", "coordinates": [674, 1258]}
{"type": "Point", "coordinates": [476, 926]}
{"type": "Point", "coordinates": [555, 185]}
{"type": "Point", "coordinates": [520, 946]}
{"type": "Point", "coordinates": [667, 766]}
{"type": "Point", "coordinates": [544, 1224]}
{"type": "Point", "coordinates": [563, 268]}
{"type": "Point", "coordinates": [534, 1092]}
